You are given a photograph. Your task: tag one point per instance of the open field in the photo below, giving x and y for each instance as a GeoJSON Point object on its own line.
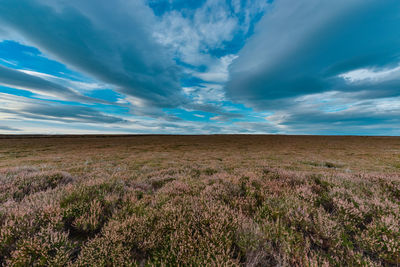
{"type": "Point", "coordinates": [200, 200]}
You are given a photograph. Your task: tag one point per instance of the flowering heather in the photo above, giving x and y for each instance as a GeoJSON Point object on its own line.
{"type": "Point", "coordinates": [200, 200]}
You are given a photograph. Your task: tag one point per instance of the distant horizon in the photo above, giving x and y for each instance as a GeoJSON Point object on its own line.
{"type": "Point", "coordinates": [211, 134]}
{"type": "Point", "coordinates": [200, 67]}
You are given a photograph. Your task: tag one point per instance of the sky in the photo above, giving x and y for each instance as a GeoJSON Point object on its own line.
{"type": "Point", "coordinates": [200, 67]}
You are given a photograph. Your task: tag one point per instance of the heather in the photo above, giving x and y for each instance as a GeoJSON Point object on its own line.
{"type": "Point", "coordinates": [190, 200]}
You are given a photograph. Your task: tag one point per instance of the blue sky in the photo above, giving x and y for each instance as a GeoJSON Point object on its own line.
{"type": "Point", "coordinates": [200, 66]}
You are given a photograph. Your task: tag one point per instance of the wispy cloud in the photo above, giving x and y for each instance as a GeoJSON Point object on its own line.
{"type": "Point", "coordinates": [22, 107]}
{"type": "Point", "coordinates": [21, 80]}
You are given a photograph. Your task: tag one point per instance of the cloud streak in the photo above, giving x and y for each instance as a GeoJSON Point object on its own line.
{"type": "Point", "coordinates": [21, 80]}
{"type": "Point", "coordinates": [25, 108]}
{"type": "Point", "coordinates": [8, 129]}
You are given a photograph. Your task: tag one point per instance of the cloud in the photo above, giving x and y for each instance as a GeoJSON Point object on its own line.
{"type": "Point", "coordinates": [222, 114]}
{"type": "Point", "coordinates": [8, 129]}
{"type": "Point", "coordinates": [22, 80]}
{"type": "Point", "coordinates": [218, 72]}
{"type": "Point", "coordinates": [204, 36]}
{"type": "Point", "coordinates": [113, 45]}
{"type": "Point", "coordinates": [200, 32]}
{"type": "Point", "coordinates": [68, 114]}
{"type": "Point", "coordinates": [189, 36]}
{"type": "Point", "coordinates": [118, 47]}
{"type": "Point", "coordinates": [25, 108]}
{"type": "Point", "coordinates": [305, 47]}
{"type": "Point", "coordinates": [339, 113]}
{"type": "Point", "coordinates": [207, 66]}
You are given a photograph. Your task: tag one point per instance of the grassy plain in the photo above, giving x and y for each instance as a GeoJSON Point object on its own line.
{"type": "Point", "coordinates": [200, 200]}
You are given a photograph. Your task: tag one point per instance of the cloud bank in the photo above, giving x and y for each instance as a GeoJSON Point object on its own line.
{"type": "Point", "coordinates": [305, 47]}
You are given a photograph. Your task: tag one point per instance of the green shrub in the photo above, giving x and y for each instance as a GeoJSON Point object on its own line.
{"type": "Point", "coordinates": [88, 207]}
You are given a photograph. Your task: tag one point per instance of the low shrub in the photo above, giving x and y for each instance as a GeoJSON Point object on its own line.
{"type": "Point", "coordinates": [88, 207]}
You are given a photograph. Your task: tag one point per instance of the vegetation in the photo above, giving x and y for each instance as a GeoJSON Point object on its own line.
{"type": "Point", "coordinates": [189, 200]}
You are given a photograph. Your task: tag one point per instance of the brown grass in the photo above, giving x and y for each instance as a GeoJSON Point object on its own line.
{"type": "Point", "coordinates": [200, 200]}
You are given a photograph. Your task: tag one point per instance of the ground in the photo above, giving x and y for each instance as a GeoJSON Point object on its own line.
{"type": "Point", "coordinates": [199, 200]}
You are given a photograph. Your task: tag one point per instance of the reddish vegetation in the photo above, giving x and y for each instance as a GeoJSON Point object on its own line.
{"type": "Point", "coordinates": [200, 200]}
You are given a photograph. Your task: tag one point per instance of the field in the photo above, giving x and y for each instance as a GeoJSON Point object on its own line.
{"type": "Point", "coordinates": [199, 200]}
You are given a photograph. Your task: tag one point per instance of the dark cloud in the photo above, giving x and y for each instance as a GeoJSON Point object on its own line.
{"type": "Point", "coordinates": [6, 128]}
{"type": "Point", "coordinates": [62, 113]}
{"type": "Point", "coordinates": [302, 47]}
{"type": "Point", "coordinates": [111, 43]}
{"type": "Point", "coordinates": [348, 118]}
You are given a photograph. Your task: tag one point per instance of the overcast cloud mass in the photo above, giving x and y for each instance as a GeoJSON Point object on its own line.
{"type": "Point", "coordinates": [200, 66]}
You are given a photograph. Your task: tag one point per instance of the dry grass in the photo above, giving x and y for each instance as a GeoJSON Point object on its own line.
{"type": "Point", "coordinates": [200, 200]}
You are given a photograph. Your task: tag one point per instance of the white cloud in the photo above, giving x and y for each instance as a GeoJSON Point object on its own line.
{"type": "Point", "coordinates": [190, 37]}
{"type": "Point", "coordinates": [371, 75]}
{"type": "Point", "coordinates": [75, 85]}
{"type": "Point", "coordinates": [218, 72]}
{"type": "Point", "coordinates": [199, 115]}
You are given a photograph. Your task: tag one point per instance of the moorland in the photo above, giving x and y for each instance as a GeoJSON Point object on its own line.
{"type": "Point", "coordinates": [237, 200]}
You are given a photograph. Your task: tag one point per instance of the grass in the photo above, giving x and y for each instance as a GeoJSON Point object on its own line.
{"type": "Point", "coordinates": [199, 200]}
